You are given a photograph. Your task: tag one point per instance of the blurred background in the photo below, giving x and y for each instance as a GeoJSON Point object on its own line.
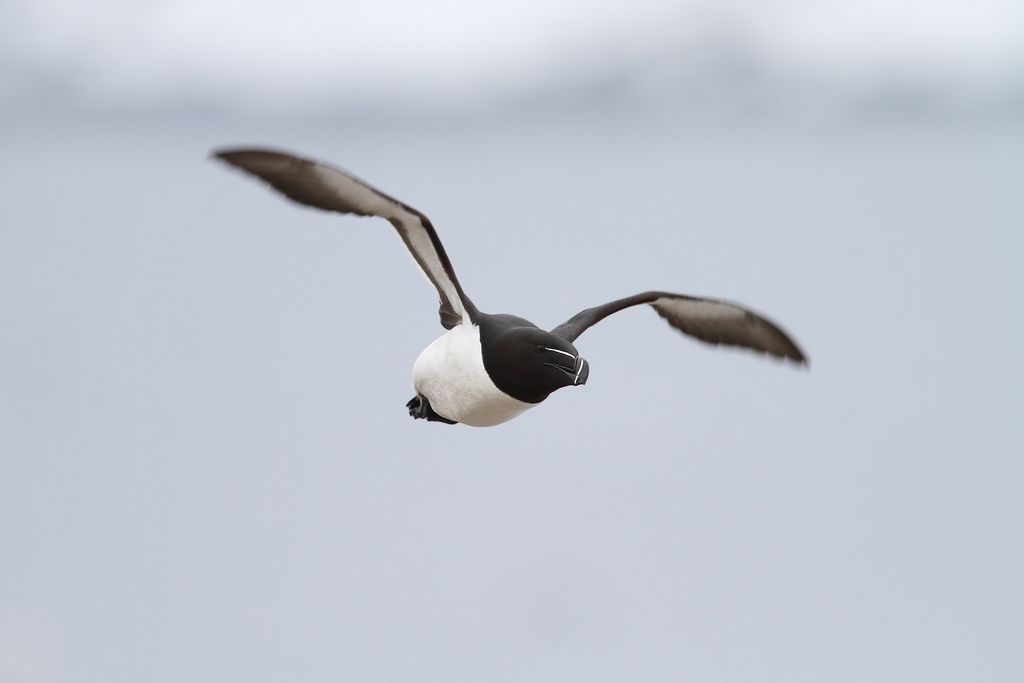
{"type": "Point", "coordinates": [207, 472]}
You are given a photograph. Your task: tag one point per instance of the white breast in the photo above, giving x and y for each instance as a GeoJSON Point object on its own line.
{"type": "Point", "coordinates": [450, 373]}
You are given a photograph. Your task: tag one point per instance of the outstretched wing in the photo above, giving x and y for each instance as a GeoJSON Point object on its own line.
{"type": "Point", "coordinates": [710, 320]}
{"type": "Point", "coordinates": [325, 187]}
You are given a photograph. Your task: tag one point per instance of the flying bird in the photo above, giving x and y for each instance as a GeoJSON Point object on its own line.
{"type": "Point", "coordinates": [488, 368]}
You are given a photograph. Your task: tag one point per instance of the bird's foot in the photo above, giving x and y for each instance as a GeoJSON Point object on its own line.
{"type": "Point", "coordinates": [419, 409]}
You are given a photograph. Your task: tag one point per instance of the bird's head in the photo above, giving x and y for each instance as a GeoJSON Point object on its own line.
{"type": "Point", "coordinates": [529, 363]}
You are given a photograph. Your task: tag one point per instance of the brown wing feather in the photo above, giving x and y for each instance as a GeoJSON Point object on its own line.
{"type": "Point", "coordinates": [712, 321]}
{"type": "Point", "coordinates": [326, 187]}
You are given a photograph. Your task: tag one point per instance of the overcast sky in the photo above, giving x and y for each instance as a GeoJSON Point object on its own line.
{"type": "Point", "coordinates": [207, 472]}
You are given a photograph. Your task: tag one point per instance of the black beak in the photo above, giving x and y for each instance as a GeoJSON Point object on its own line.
{"type": "Point", "coordinates": [582, 371]}
{"type": "Point", "coordinates": [578, 371]}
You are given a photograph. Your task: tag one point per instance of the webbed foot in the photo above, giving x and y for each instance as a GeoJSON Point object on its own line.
{"type": "Point", "coordinates": [419, 409]}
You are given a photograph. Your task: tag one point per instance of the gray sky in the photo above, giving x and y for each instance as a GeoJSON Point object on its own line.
{"type": "Point", "coordinates": [206, 469]}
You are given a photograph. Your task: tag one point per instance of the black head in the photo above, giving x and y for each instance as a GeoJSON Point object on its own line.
{"type": "Point", "coordinates": [526, 362]}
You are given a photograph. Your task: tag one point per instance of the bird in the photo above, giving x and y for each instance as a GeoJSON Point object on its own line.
{"type": "Point", "coordinates": [486, 369]}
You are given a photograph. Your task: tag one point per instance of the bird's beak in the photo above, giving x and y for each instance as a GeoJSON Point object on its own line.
{"type": "Point", "coordinates": [581, 372]}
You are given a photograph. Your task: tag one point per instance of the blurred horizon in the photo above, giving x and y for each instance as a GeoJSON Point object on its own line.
{"type": "Point", "coordinates": [783, 59]}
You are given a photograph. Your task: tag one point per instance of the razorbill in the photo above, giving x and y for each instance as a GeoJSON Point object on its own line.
{"type": "Point", "coordinates": [487, 369]}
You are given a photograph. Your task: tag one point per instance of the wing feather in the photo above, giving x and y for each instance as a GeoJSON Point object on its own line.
{"type": "Point", "coordinates": [326, 187]}
{"type": "Point", "coordinates": [712, 321]}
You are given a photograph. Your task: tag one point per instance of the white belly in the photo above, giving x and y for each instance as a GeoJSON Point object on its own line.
{"type": "Point", "coordinates": [450, 373]}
